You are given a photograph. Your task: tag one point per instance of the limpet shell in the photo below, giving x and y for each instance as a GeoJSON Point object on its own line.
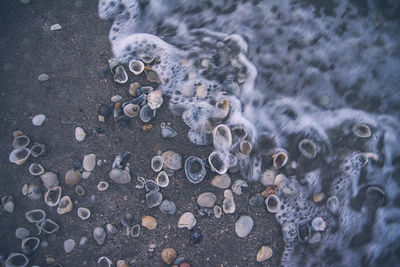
{"type": "Point", "coordinates": [217, 163]}
{"type": "Point", "coordinates": [65, 205]}
{"type": "Point", "coordinates": [131, 110]}
{"type": "Point", "coordinates": [195, 169]}
{"type": "Point", "coordinates": [29, 244]}
{"type": "Point", "coordinates": [156, 163]}
{"type": "Point", "coordinates": [162, 179]}
{"type": "Point", "coordinates": [102, 186]}
{"type": "Point", "coordinates": [273, 203]}
{"type": "Point", "coordinates": [136, 66]}
{"type": "Point", "coordinates": [52, 196]}
{"type": "Point", "coordinates": [245, 147]}
{"type": "Point", "coordinates": [21, 141]}
{"type": "Point", "coordinates": [83, 213]}
{"type": "Point", "coordinates": [38, 150]}
{"type": "Point", "coordinates": [146, 113]}
{"type": "Point", "coordinates": [48, 226]}
{"type": "Point", "coordinates": [222, 137]}
{"type": "Point", "coordinates": [362, 131]}
{"type": "Point", "coordinates": [99, 235]}
{"type": "Point", "coordinates": [16, 260]}
{"type": "Point", "coordinates": [35, 216]}
{"type": "Point", "coordinates": [36, 169]}
{"type": "Point", "coordinates": [105, 260]}
{"type": "Point", "coordinates": [280, 158]}
{"type": "Point", "coordinates": [72, 177]}
{"type": "Point", "coordinates": [308, 148]}
{"type": "Point", "coordinates": [19, 155]}
{"type": "Point", "coordinates": [120, 75]}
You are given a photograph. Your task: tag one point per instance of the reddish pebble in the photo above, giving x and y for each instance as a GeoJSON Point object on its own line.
{"type": "Point", "coordinates": [184, 264]}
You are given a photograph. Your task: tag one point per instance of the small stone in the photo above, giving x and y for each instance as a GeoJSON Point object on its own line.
{"type": "Point", "coordinates": [168, 255]}
{"type": "Point", "coordinates": [72, 177]}
{"type": "Point", "coordinates": [80, 134]}
{"type": "Point", "coordinates": [147, 127]}
{"type": "Point", "coordinates": [149, 222]}
{"type": "Point", "coordinates": [155, 99]}
{"type": "Point", "coordinates": [221, 181]}
{"type": "Point", "coordinates": [86, 175]}
{"type": "Point", "coordinates": [256, 200]}
{"type": "Point", "coordinates": [43, 77]}
{"type": "Point", "coordinates": [89, 162]}
{"type": "Point", "coordinates": [111, 229]}
{"type": "Point", "coordinates": [264, 253]}
{"type": "Point", "coordinates": [122, 263]}
{"type": "Point", "coordinates": [17, 133]}
{"type": "Point", "coordinates": [167, 207]}
{"type": "Point", "coordinates": [187, 220]}
{"type": "Point", "coordinates": [206, 199]}
{"type": "Point", "coordinates": [133, 88]}
{"type": "Point", "coordinates": [38, 120]}
{"type": "Point", "coordinates": [99, 235]}
{"type": "Point", "coordinates": [55, 27]}
{"type": "Point", "coordinates": [116, 98]}
{"type": "Point", "coordinates": [119, 176]}
{"type": "Point", "coordinates": [228, 205]}
{"type": "Point", "coordinates": [83, 240]}
{"type": "Point", "coordinates": [172, 160]}
{"type": "Point", "coordinates": [69, 245]}
{"type": "Point", "coordinates": [153, 199]}
{"type": "Point", "coordinates": [99, 162]}
{"type": "Point", "coordinates": [244, 225]}
{"type": "Point", "coordinates": [168, 132]}
{"type": "Point", "coordinates": [127, 219]}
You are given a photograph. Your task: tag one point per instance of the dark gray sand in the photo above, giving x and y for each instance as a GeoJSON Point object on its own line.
{"type": "Point", "coordinates": [73, 58]}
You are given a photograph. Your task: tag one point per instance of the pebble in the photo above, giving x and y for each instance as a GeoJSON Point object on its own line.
{"type": "Point", "coordinates": [43, 77]}
{"type": "Point", "coordinates": [127, 219]}
{"type": "Point", "coordinates": [49, 179]}
{"type": "Point", "coordinates": [153, 199]}
{"type": "Point", "coordinates": [83, 240]}
{"type": "Point", "coordinates": [116, 98]}
{"type": "Point", "coordinates": [228, 205]}
{"type": "Point", "coordinates": [72, 177]}
{"type": "Point", "coordinates": [187, 220]}
{"type": "Point", "coordinates": [168, 207]}
{"type": "Point", "coordinates": [111, 229]}
{"type": "Point", "coordinates": [133, 88]}
{"type": "Point", "coordinates": [122, 263]}
{"type": "Point", "coordinates": [86, 175]}
{"type": "Point", "coordinates": [206, 199]}
{"type": "Point", "coordinates": [120, 176]}
{"type": "Point", "coordinates": [147, 127]}
{"type": "Point", "coordinates": [22, 233]}
{"type": "Point", "coordinates": [264, 253]}
{"type": "Point", "coordinates": [172, 160]}
{"type": "Point", "coordinates": [69, 245]}
{"type": "Point", "coordinates": [38, 120]}
{"type": "Point", "coordinates": [221, 181]}
{"type": "Point", "coordinates": [168, 255]}
{"type": "Point", "coordinates": [154, 99]}
{"type": "Point", "coordinates": [149, 222]}
{"type": "Point", "coordinates": [89, 162]}
{"type": "Point", "coordinates": [55, 27]}
{"type": "Point", "coordinates": [99, 235]}
{"type": "Point", "coordinates": [80, 134]}
{"type": "Point", "coordinates": [256, 200]}
{"type": "Point", "coordinates": [195, 236]}
{"type": "Point", "coordinates": [244, 225]}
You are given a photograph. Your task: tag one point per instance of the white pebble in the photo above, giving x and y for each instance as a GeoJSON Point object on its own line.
{"type": "Point", "coordinates": [43, 77]}
{"type": "Point", "coordinates": [89, 162]}
{"type": "Point", "coordinates": [55, 27]}
{"type": "Point", "coordinates": [116, 98]}
{"type": "Point", "coordinates": [69, 245]}
{"type": "Point", "coordinates": [83, 241]}
{"type": "Point", "coordinates": [80, 134]}
{"type": "Point", "coordinates": [38, 120]}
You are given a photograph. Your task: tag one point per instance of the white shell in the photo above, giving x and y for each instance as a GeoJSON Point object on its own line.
{"type": "Point", "coordinates": [136, 66]}
{"type": "Point", "coordinates": [162, 179]}
{"type": "Point", "coordinates": [80, 134]}
{"type": "Point", "coordinates": [222, 137]}
{"type": "Point", "coordinates": [155, 99]}
{"type": "Point", "coordinates": [38, 120]}
{"type": "Point", "coordinates": [19, 155]}
{"type": "Point", "coordinates": [83, 213]}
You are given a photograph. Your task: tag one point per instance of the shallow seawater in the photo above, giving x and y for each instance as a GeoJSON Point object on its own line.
{"type": "Point", "coordinates": [318, 84]}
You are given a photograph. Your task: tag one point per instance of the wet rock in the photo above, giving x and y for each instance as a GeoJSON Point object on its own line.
{"type": "Point", "coordinates": [222, 181]}
{"type": "Point", "coordinates": [206, 199]}
{"type": "Point", "coordinates": [172, 160]}
{"type": "Point", "coordinates": [89, 162]}
{"type": "Point", "coordinates": [256, 200]}
{"type": "Point", "coordinates": [187, 220]}
{"type": "Point", "coordinates": [264, 254]}
{"type": "Point", "coordinates": [149, 222]}
{"type": "Point", "coordinates": [168, 255]}
{"type": "Point", "coordinates": [72, 177]}
{"type": "Point", "coordinates": [38, 120]}
{"type": "Point", "coordinates": [99, 235]}
{"type": "Point", "coordinates": [153, 199]}
{"type": "Point", "coordinates": [69, 245]}
{"type": "Point", "coordinates": [168, 207]}
{"type": "Point", "coordinates": [80, 134]}
{"type": "Point", "coordinates": [243, 226]}
{"type": "Point", "coordinates": [120, 176]}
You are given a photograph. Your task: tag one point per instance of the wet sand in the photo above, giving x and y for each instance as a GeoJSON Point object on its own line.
{"type": "Point", "coordinates": [74, 58]}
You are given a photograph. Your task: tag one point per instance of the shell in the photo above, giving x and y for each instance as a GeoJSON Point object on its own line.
{"type": "Point", "coordinates": [29, 244]}
{"type": "Point", "coordinates": [102, 186]}
{"type": "Point", "coordinates": [72, 177]}
{"type": "Point", "coordinates": [38, 150]}
{"type": "Point", "coordinates": [238, 185]}
{"type": "Point", "coordinates": [80, 134]}
{"type": "Point", "coordinates": [135, 230]}
{"type": "Point", "coordinates": [21, 141]}
{"type": "Point", "coordinates": [222, 137]}
{"type": "Point", "coordinates": [111, 228]}
{"type": "Point", "coordinates": [149, 222]}
{"type": "Point", "coordinates": [238, 133]}
{"type": "Point", "coordinates": [99, 235]}
{"type": "Point", "coordinates": [105, 260]}
{"type": "Point", "coordinates": [69, 245]}
{"type": "Point", "coordinates": [49, 227]}
{"type": "Point", "coordinates": [43, 77]}
{"type": "Point", "coordinates": [22, 233]}
{"type": "Point", "coordinates": [217, 163]}
{"type": "Point", "coordinates": [273, 204]}
{"type": "Point", "coordinates": [83, 213]}
{"type": "Point", "coordinates": [222, 108]}
{"type": "Point", "coordinates": [245, 147]}
{"type": "Point", "coordinates": [280, 158]}
{"type": "Point", "coordinates": [217, 211]}
{"type": "Point", "coordinates": [155, 99]}
{"type": "Point", "coordinates": [268, 178]}
{"type": "Point", "coordinates": [8, 203]}
{"type": "Point", "coordinates": [156, 163]}
{"type": "Point", "coordinates": [136, 66]}
{"type": "Point", "coordinates": [127, 219]}
{"type": "Point", "coordinates": [146, 113]}
{"type": "Point", "coordinates": [152, 76]}
{"type": "Point", "coordinates": [243, 226]}
{"type": "Point", "coordinates": [187, 220]}
{"type": "Point", "coordinates": [89, 162]}
{"type": "Point", "coordinates": [168, 255]}
{"type": "Point", "coordinates": [35, 216]}
{"type": "Point", "coordinates": [228, 205]}
{"type": "Point", "coordinates": [65, 205]}
{"type": "Point", "coordinates": [147, 56]}
{"type": "Point", "coordinates": [168, 132]}
{"type": "Point", "coordinates": [264, 253]}
{"type": "Point", "coordinates": [120, 75]}
{"type": "Point", "coordinates": [162, 179]}
{"type": "Point", "coordinates": [172, 160]}
{"type": "Point", "coordinates": [308, 148]}
{"type": "Point", "coordinates": [140, 182]}
{"type": "Point", "coordinates": [36, 169]}
{"type": "Point", "coordinates": [151, 185]}
{"type": "Point", "coordinates": [122, 263]}
{"type": "Point", "coordinates": [153, 199]}
{"type": "Point", "coordinates": [304, 232]}
{"type": "Point", "coordinates": [16, 260]}
{"type": "Point", "coordinates": [280, 180]}
{"type": "Point", "coordinates": [145, 90]}
{"type": "Point", "coordinates": [333, 204]}
{"type": "Point", "coordinates": [131, 110]}
{"type": "Point", "coordinates": [133, 88]}
{"type": "Point", "coordinates": [79, 190]}
{"type": "Point", "coordinates": [362, 131]}
{"type": "Point", "coordinates": [52, 196]}
{"type": "Point", "coordinates": [206, 199]}
{"type": "Point", "coordinates": [195, 169]}
{"type": "Point", "coordinates": [120, 176]}
{"type": "Point", "coordinates": [319, 224]}
{"type": "Point", "coordinates": [49, 179]}
{"type": "Point", "coordinates": [19, 155]}
{"type": "Point", "coordinates": [221, 181]}
{"type": "Point", "coordinates": [167, 207]}
{"type": "Point", "coordinates": [38, 120]}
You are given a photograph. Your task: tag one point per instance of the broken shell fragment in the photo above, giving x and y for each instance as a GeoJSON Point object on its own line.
{"type": "Point", "coordinates": [280, 159]}
{"type": "Point", "coordinates": [65, 205]}
{"type": "Point", "coordinates": [83, 213]}
{"type": "Point", "coordinates": [308, 148]}
{"type": "Point", "coordinates": [99, 235]}
{"type": "Point", "coordinates": [222, 137]}
{"type": "Point", "coordinates": [153, 199]}
{"type": "Point", "coordinates": [172, 160]}
{"type": "Point", "coordinates": [119, 176]}
{"type": "Point", "coordinates": [155, 99]}
{"type": "Point", "coordinates": [72, 177]}
{"type": "Point", "coordinates": [21, 141]}
{"type": "Point", "coordinates": [120, 75]}
{"type": "Point", "coordinates": [146, 113]}
{"type": "Point", "coordinates": [19, 155]}
{"type": "Point", "coordinates": [361, 130]}
{"type": "Point", "coordinates": [35, 216]}
{"type": "Point", "coordinates": [52, 196]}
{"type": "Point", "coordinates": [244, 225]}
{"type": "Point", "coordinates": [168, 255]}
{"type": "Point", "coordinates": [245, 147]}
{"type": "Point", "coordinates": [149, 222]}
{"type": "Point", "coordinates": [29, 244]}
{"type": "Point", "coordinates": [131, 110]}
{"type": "Point", "coordinates": [156, 163]}
{"type": "Point", "coordinates": [36, 169]}
{"type": "Point", "coordinates": [16, 260]}
{"type": "Point", "coordinates": [264, 254]}
{"type": "Point", "coordinates": [273, 204]}
{"type": "Point", "coordinates": [102, 186]}
{"type": "Point", "coordinates": [222, 181]}
{"type": "Point", "coordinates": [136, 66]}
{"type": "Point", "coordinates": [238, 186]}
{"type": "Point", "coordinates": [140, 182]}
{"type": "Point", "coordinates": [162, 179]}
{"type": "Point", "coordinates": [217, 163]}
{"type": "Point", "coordinates": [223, 108]}
{"type": "Point", "coordinates": [187, 220]}
{"type": "Point", "coordinates": [48, 226]}
{"type": "Point", "coordinates": [206, 199]}
{"type": "Point", "coordinates": [49, 179]}
{"type": "Point", "coordinates": [195, 169]}
{"type": "Point", "coordinates": [319, 224]}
